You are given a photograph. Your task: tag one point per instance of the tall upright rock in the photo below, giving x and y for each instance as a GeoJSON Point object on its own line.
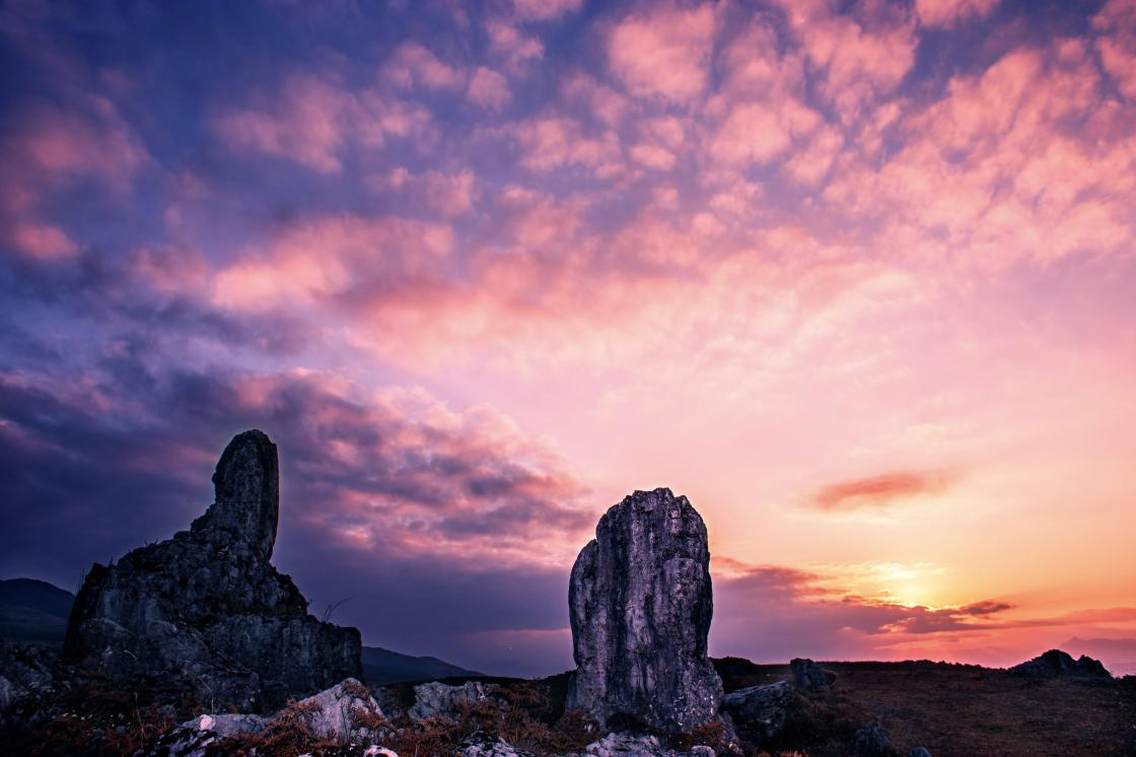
{"type": "Point", "coordinates": [206, 610]}
{"type": "Point", "coordinates": [640, 602]}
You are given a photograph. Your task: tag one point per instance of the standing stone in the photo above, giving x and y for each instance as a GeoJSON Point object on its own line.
{"type": "Point", "coordinates": [206, 610]}
{"type": "Point", "coordinates": [640, 603]}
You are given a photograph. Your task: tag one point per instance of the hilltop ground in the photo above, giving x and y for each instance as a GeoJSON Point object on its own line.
{"type": "Point", "coordinates": [955, 709]}
{"type": "Point", "coordinates": [949, 709]}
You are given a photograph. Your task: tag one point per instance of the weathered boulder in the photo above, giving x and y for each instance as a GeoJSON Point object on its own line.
{"type": "Point", "coordinates": [640, 603]}
{"type": "Point", "coordinates": [808, 676]}
{"type": "Point", "coordinates": [480, 745]}
{"type": "Point", "coordinates": [227, 724]}
{"type": "Point", "coordinates": [872, 741]}
{"type": "Point", "coordinates": [440, 700]}
{"type": "Point", "coordinates": [639, 745]}
{"type": "Point", "coordinates": [1056, 663]}
{"type": "Point", "coordinates": [345, 713]}
{"type": "Point", "coordinates": [25, 670]}
{"type": "Point", "coordinates": [759, 712]}
{"type": "Point", "coordinates": [207, 610]}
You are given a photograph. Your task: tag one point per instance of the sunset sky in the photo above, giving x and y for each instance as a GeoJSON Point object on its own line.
{"type": "Point", "coordinates": [857, 277]}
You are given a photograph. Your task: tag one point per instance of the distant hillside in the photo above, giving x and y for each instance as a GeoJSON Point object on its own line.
{"type": "Point", "coordinates": [32, 610]}
{"type": "Point", "coordinates": [382, 666]}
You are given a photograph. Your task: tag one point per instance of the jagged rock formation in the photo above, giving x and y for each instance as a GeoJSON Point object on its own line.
{"type": "Point", "coordinates": [1056, 663]}
{"type": "Point", "coordinates": [640, 603]}
{"type": "Point", "coordinates": [207, 610]}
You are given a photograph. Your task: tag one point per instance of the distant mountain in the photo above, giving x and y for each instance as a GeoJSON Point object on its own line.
{"type": "Point", "coordinates": [1118, 655]}
{"type": "Point", "coordinates": [382, 666]}
{"type": "Point", "coordinates": [32, 610]}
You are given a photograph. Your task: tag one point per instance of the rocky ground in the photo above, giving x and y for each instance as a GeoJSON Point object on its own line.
{"type": "Point", "coordinates": [946, 709]}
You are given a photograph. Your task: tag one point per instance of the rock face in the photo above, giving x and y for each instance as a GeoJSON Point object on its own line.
{"type": "Point", "coordinates": [1055, 663]}
{"type": "Point", "coordinates": [640, 603]}
{"type": "Point", "coordinates": [207, 610]}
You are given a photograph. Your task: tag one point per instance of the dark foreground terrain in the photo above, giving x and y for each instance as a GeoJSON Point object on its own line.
{"type": "Point", "coordinates": [954, 709]}
{"type": "Point", "coordinates": [949, 709]}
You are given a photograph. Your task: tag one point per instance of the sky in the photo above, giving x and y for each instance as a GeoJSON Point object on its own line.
{"type": "Point", "coordinates": [858, 278]}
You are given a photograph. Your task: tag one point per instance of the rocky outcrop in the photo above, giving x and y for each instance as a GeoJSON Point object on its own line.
{"type": "Point", "coordinates": [808, 676]}
{"type": "Point", "coordinates": [206, 609]}
{"type": "Point", "coordinates": [435, 699]}
{"type": "Point", "coordinates": [759, 712]}
{"type": "Point", "coordinates": [640, 603]}
{"type": "Point", "coordinates": [1055, 663]}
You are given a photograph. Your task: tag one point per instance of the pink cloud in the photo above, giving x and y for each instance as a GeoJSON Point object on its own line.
{"type": "Point", "coordinates": [413, 64]}
{"type": "Point", "coordinates": [488, 88]}
{"type": "Point", "coordinates": [665, 53]}
{"type": "Point", "coordinates": [42, 241]}
{"type": "Point", "coordinates": [545, 10]}
{"type": "Point", "coordinates": [761, 132]}
{"type": "Point", "coordinates": [312, 118]}
{"type": "Point", "coordinates": [514, 47]}
{"type": "Point", "coordinates": [551, 142]}
{"type": "Point", "coordinates": [51, 148]}
{"type": "Point", "coordinates": [880, 491]}
{"type": "Point", "coordinates": [319, 259]}
{"type": "Point", "coordinates": [450, 195]}
{"type": "Point", "coordinates": [861, 60]}
{"type": "Point", "coordinates": [948, 13]}
{"type": "Point", "coordinates": [1116, 25]}
{"type": "Point", "coordinates": [602, 101]}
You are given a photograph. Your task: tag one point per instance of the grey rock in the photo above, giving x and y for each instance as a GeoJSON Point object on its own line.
{"type": "Point", "coordinates": [480, 745]}
{"type": "Point", "coordinates": [26, 670]}
{"type": "Point", "coordinates": [184, 741]}
{"type": "Point", "coordinates": [227, 724]}
{"type": "Point", "coordinates": [345, 713]}
{"type": "Point", "coordinates": [640, 604]}
{"type": "Point", "coordinates": [759, 712]}
{"type": "Point", "coordinates": [207, 610]}
{"type": "Point", "coordinates": [435, 699]}
{"type": "Point", "coordinates": [623, 744]}
{"type": "Point", "coordinates": [919, 752]}
{"type": "Point", "coordinates": [1058, 664]}
{"type": "Point", "coordinates": [808, 676]}
{"type": "Point", "coordinates": [872, 741]}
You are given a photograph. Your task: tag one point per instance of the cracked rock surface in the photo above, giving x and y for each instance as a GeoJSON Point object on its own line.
{"type": "Point", "coordinates": [640, 603]}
